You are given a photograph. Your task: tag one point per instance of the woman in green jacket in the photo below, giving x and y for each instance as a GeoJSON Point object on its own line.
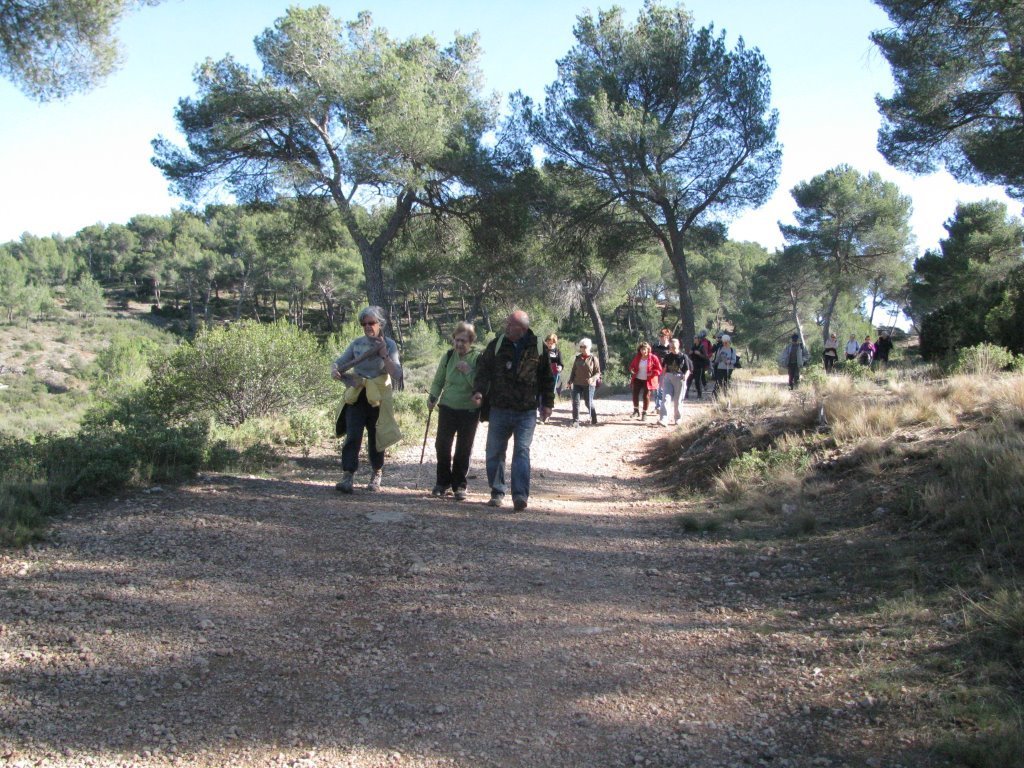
{"type": "Point", "coordinates": [458, 415]}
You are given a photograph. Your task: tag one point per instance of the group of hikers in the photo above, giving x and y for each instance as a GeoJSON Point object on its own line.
{"type": "Point", "coordinates": [512, 384]}
{"type": "Point", "coordinates": [795, 356]}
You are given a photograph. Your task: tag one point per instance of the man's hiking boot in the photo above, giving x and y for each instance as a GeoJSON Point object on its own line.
{"type": "Point", "coordinates": [497, 500]}
{"type": "Point", "coordinates": [375, 478]}
{"type": "Point", "coordinates": [518, 503]}
{"type": "Point", "coordinates": [593, 418]}
{"type": "Point", "coordinates": [460, 494]}
{"type": "Point", "coordinates": [643, 416]}
{"type": "Point", "coordinates": [636, 414]}
{"type": "Point", "coordinates": [345, 484]}
{"type": "Point", "coordinates": [439, 490]}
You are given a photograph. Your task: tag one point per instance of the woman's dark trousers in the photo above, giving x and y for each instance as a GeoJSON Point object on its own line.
{"type": "Point", "coordinates": [459, 426]}
{"type": "Point", "coordinates": [696, 380]}
{"type": "Point", "coordinates": [359, 416]}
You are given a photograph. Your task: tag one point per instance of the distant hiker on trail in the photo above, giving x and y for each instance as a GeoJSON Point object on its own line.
{"type": "Point", "coordinates": [584, 377]}
{"type": "Point", "coordinates": [883, 347]}
{"type": "Point", "coordinates": [677, 369]}
{"type": "Point", "coordinates": [793, 357]}
{"type": "Point", "coordinates": [700, 356]}
{"type": "Point", "coordinates": [645, 369]}
{"type": "Point", "coordinates": [660, 348]}
{"type": "Point", "coordinates": [866, 352]}
{"type": "Point", "coordinates": [555, 361]}
{"type": "Point", "coordinates": [511, 372]}
{"type": "Point", "coordinates": [852, 347]}
{"type": "Point", "coordinates": [370, 367]}
{"type": "Point", "coordinates": [831, 353]}
{"type": "Point", "coordinates": [722, 365]}
{"type": "Point", "coordinates": [457, 414]}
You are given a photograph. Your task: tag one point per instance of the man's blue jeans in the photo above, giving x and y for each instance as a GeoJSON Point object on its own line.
{"type": "Point", "coordinates": [519, 426]}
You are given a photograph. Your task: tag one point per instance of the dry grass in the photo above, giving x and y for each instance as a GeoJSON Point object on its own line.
{"type": "Point", "coordinates": [943, 463]}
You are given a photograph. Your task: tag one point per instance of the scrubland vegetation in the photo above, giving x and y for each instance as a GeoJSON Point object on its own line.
{"type": "Point", "coordinates": [929, 459]}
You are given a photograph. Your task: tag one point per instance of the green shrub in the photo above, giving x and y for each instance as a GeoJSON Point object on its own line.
{"type": "Point", "coordinates": [814, 376]}
{"type": "Point", "coordinates": [760, 465]}
{"type": "Point", "coordinates": [854, 370]}
{"type": "Point", "coordinates": [124, 363]}
{"type": "Point", "coordinates": [86, 465]}
{"type": "Point", "coordinates": [308, 429]}
{"type": "Point", "coordinates": [161, 450]}
{"type": "Point", "coordinates": [982, 359]}
{"type": "Point", "coordinates": [244, 371]}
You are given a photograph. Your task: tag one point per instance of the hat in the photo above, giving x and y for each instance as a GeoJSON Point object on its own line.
{"type": "Point", "coordinates": [726, 337]}
{"type": "Point", "coordinates": [795, 337]}
{"type": "Point", "coordinates": [703, 333]}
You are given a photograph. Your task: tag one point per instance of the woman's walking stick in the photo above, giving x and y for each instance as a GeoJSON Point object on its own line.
{"type": "Point", "coordinates": [423, 451]}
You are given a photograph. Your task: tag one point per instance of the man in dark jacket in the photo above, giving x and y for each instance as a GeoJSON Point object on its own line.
{"type": "Point", "coordinates": [513, 372]}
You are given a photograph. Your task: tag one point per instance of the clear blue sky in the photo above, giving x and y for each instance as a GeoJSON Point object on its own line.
{"type": "Point", "coordinates": [70, 164]}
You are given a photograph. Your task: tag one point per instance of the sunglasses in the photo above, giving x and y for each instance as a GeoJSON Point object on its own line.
{"type": "Point", "coordinates": [369, 323]}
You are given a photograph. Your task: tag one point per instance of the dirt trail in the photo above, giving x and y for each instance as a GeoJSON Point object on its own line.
{"type": "Point", "coordinates": [248, 622]}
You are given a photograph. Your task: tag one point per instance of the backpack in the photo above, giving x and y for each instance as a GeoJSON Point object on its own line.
{"type": "Point", "coordinates": [485, 404]}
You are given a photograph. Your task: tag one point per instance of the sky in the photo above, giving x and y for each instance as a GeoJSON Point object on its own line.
{"type": "Point", "coordinates": [67, 165]}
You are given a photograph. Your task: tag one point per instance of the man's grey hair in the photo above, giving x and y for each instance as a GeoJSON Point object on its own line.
{"type": "Point", "coordinates": [374, 313]}
{"type": "Point", "coordinates": [585, 342]}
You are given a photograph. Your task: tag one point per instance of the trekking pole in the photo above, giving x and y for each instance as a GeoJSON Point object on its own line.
{"type": "Point", "coordinates": [423, 451]}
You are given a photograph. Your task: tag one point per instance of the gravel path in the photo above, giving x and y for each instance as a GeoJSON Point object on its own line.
{"type": "Point", "coordinates": [243, 621]}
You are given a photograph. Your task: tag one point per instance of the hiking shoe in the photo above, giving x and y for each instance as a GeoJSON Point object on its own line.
{"type": "Point", "coordinates": [636, 414]}
{"type": "Point", "coordinates": [662, 423]}
{"type": "Point", "coordinates": [593, 419]}
{"type": "Point", "coordinates": [375, 478]}
{"type": "Point", "coordinates": [574, 424]}
{"type": "Point", "coordinates": [439, 490]}
{"type": "Point", "coordinates": [345, 484]}
{"type": "Point", "coordinates": [460, 494]}
{"type": "Point", "coordinates": [497, 500]}
{"type": "Point", "coordinates": [643, 416]}
{"type": "Point", "coordinates": [518, 503]}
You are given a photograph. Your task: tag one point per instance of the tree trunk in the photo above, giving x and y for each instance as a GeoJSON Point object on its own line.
{"type": "Point", "coordinates": [372, 253]}
{"type": "Point", "coordinates": [191, 310]}
{"type": "Point", "coordinates": [826, 326]}
{"type": "Point", "coordinates": [795, 309]}
{"type": "Point", "coordinates": [677, 256]}
{"type": "Point", "coordinates": [241, 297]}
{"type": "Point", "coordinates": [590, 300]}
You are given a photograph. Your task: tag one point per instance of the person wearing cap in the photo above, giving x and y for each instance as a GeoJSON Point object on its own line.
{"type": "Point", "coordinates": [584, 377]}
{"type": "Point", "coordinates": [722, 364]}
{"type": "Point", "coordinates": [793, 357]}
